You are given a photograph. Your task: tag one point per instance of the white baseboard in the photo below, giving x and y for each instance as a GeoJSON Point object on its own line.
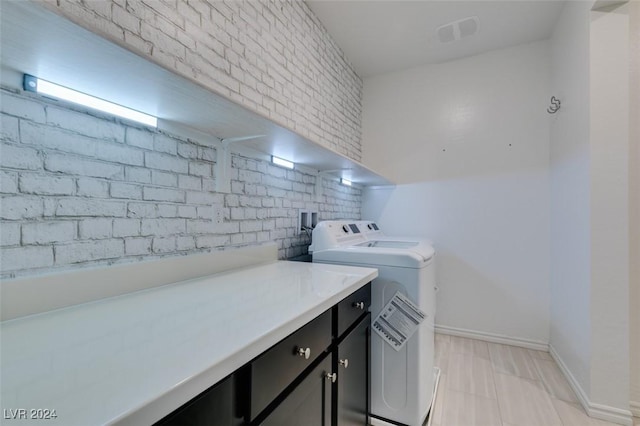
{"type": "Point", "coordinates": [493, 338]}
{"type": "Point", "coordinates": [635, 408]}
{"type": "Point", "coordinates": [597, 411]}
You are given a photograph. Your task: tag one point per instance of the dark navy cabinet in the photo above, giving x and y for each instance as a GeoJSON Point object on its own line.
{"type": "Point", "coordinates": [317, 376]}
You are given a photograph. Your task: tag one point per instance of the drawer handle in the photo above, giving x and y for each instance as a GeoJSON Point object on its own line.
{"type": "Point", "coordinates": [358, 305]}
{"type": "Point", "coordinates": [344, 363]}
{"type": "Point", "coordinates": [304, 352]}
{"type": "Point", "coordinates": [332, 377]}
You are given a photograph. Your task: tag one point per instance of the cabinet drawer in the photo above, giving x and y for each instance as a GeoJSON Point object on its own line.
{"type": "Point", "coordinates": [351, 308]}
{"type": "Point", "coordinates": [275, 369]}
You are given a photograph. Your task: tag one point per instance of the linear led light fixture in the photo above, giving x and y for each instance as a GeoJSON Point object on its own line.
{"type": "Point", "coordinates": [345, 182]}
{"type": "Point", "coordinates": [43, 87]}
{"type": "Point", "coordinates": [282, 162]}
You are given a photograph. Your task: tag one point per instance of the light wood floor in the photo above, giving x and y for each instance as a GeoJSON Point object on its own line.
{"type": "Point", "coordinates": [488, 384]}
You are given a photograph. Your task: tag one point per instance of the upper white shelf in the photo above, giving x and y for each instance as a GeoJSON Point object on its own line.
{"type": "Point", "coordinates": [37, 41]}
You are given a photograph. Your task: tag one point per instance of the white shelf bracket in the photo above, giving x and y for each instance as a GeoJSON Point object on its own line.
{"type": "Point", "coordinates": [223, 163]}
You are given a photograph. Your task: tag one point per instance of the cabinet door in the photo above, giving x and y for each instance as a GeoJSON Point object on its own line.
{"type": "Point", "coordinates": [310, 402]}
{"type": "Point", "coordinates": [352, 394]}
{"type": "Point", "coordinates": [214, 407]}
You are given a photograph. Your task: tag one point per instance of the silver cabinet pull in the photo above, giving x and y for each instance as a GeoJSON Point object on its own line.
{"type": "Point", "coordinates": [304, 352]}
{"type": "Point", "coordinates": [332, 377]}
{"type": "Point", "coordinates": [344, 363]}
{"type": "Point", "coordinates": [358, 305]}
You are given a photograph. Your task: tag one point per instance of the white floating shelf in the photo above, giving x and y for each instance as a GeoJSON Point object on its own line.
{"type": "Point", "coordinates": [39, 42]}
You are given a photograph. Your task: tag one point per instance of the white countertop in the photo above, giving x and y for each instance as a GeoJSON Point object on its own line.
{"type": "Point", "coordinates": [134, 358]}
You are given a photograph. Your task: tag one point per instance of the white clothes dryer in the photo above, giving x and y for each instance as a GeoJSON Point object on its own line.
{"type": "Point", "coordinates": [402, 382]}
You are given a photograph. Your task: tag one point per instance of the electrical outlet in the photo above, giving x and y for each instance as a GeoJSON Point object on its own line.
{"type": "Point", "coordinates": [218, 214]}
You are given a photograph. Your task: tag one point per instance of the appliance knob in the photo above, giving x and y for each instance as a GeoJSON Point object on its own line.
{"type": "Point", "coordinates": [304, 352]}
{"type": "Point", "coordinates": [344, 363]}
{"type": "Point", "coordinates": [358, 305]}
{"type": "Point", "coordinates": [332, 377]}
{"type": "Point", "coordinates": [345, 229]}
{"type": "Point", "coordinates": [370, 227]}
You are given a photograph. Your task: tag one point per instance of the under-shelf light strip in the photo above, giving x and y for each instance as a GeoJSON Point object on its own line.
{"type": "Point", "coordinates": [345, 182]}
{"type": "Point", "coordinates": [47, 88]}
{"type": "Point", "coordinates": [282, 162]}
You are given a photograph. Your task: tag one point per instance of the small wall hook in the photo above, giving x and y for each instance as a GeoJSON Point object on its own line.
{"type": "Point", "coordinates": [555, 105]}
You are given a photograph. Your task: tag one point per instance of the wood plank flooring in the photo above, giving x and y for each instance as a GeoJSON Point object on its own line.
{"type": "Point", "coordinates": [488, 384]}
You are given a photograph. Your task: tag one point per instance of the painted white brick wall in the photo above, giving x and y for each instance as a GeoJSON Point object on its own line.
{"type": "Point", "coordinates": [272, 56]}
{"type": "Point", "coordinates": [64, 207]}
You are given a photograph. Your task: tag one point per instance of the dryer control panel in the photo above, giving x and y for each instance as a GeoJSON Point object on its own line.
{"type": "Point", "coordinates": [337, 233]}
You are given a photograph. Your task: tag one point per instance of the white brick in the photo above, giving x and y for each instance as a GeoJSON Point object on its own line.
{"type": "Point", "coordinates": [188, 150]}
{"type": "Point", "coordinates": [82, 167]}
{"type": "Point", "coordinates": [189, 182]}
{"type": "Point", "coordinates": [9, 234]}
{"type": "Point", "coordinates": [46, 184]}
{"type": "Point", "coordinates": [95, 228]}
{"type": "Point", "coordinates": [163, 226]}
{"type": "Point", "coordinates": [207, 154]}
{"type": "Point", "coordinates": [142, 210]}
{"type": "Point", "coordinates": [120, 154]}
{"type": "Point", "coordinates": [126, 227]}
{"type": "Point", "coordinates": [164, 178]}
{"type": "Point", "coordinates": [58, 139]}
{"type": "Point", "coordinates": [89, 250]}
{"type": "Point", "coordinates": [137, 246]}
{"type": "Point", "coordinates": [155, 160]}
{"type": "Point", "coordinates": [185, 243]}
{"type": "Point", "coordinates": [162, 143]}
{"type": "Point", "coordinates": [198, 197]}
{"type": "Point", "coordinates": [200, 227]}
{"type": "Point", "coordinates": [206, 212]}
{"type": "Point", "coordinates": [15, 259]}
{"type": "Point", "coordinates": [125, 19]}
{"type": "Point", "coordinates": [9, 128]}
{"type": "Point", "coordinates": [163, 194]}
{"type": "Point", "coordinates": [8, 182]}
{"type": "Point", "coordinates": [89, 187]}
{"type": "Point", "coordinates": [137, 174]}
{"type": "Point", "coordinates": [167, 210]}
{"type": "Point", "coordinates": [200, 168]}
{"type": "Point", "coordinates": [208, 185]}
{"type": "Point", "coordinates": [249, 176]}
{"type": "Point", "coordinates": [21, 207]}
{"type": "Point", "coordinates": [85, 124]}
{"type": "Point", "coordinates": [90, 207]}
{"type": "Point", "coordinates": [189, 212]}
{"type": "Point", "coordinates": [207, 241]}
{"type": "Point", "coordinates": [15, 157]}
{"type": "Point", "coordinates": [21, 107]}
{"type": "Point", "coordinates": [126, 190]}
{"type": "Point", "coordinates": [48, 232]}
{"type": "Point", "coordinates": [237, 213]}
{"type": "Point", "coordinates": [250, 226]}
{"type": "Point", "coordinates": [164, 245]}
{"type": "Point", "coordinates": [139, 138]}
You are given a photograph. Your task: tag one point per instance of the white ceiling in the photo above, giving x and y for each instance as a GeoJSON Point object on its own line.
{"type": "Point", "coordinates": [391, 35]}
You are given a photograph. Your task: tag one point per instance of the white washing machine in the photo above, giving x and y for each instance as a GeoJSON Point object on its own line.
{"type": "Point", "coordinates": [402, 382]}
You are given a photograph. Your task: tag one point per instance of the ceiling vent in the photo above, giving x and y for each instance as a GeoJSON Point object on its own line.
{"type": "Point", "coordinates": [458, 29]}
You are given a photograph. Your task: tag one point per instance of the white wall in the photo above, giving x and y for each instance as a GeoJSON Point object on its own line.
{"type": "Point", "coordinates": [634, 204]}
{"type": "Point", "coordinates": [609, 147]}
{"type": "Point", "coordinates": [469, 142]}
{"type": "Point", "coordinates": [570, 198]}
{"type": "Point", "coordinates": [590, 206]}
